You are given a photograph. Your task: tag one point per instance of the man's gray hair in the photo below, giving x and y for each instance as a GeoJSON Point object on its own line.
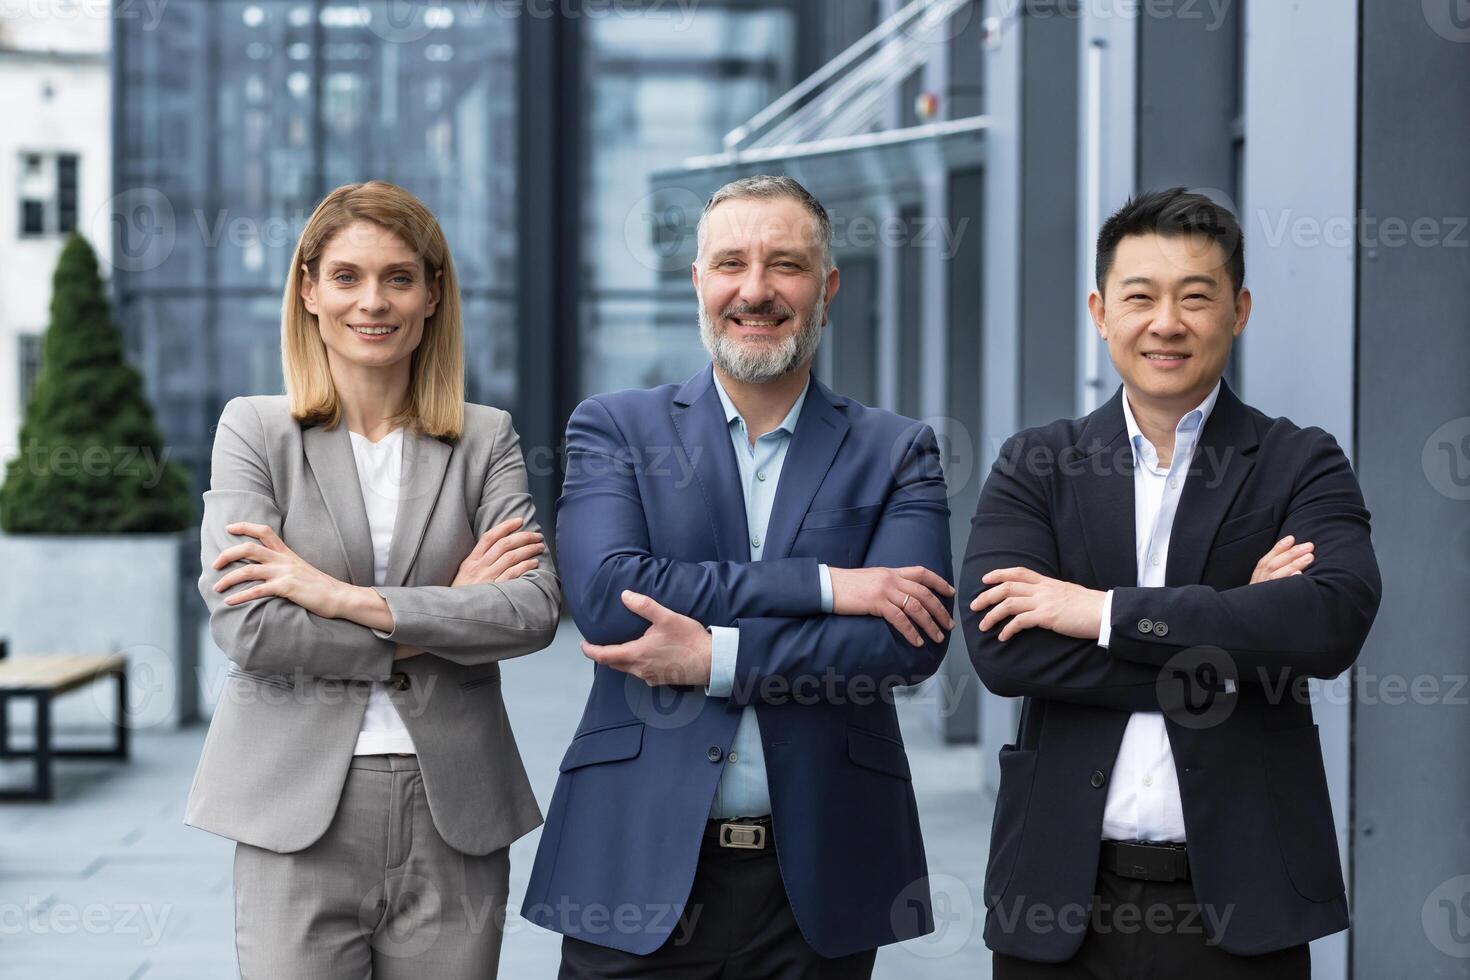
{"type": "Point", "coordinates": [766, 187]}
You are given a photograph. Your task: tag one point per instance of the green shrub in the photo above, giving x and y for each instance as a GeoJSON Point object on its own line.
{"type": "Point", "coordinates": [91, 459]}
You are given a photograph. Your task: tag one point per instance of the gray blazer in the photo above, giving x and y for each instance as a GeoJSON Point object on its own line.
{"type": "Point", "coordinates": [282, 736]}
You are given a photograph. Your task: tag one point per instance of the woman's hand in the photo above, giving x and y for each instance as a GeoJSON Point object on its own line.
{"type": "Point", "coordinates": [280, 572]}
{"type": "Point", "coordinates": [503, 553]}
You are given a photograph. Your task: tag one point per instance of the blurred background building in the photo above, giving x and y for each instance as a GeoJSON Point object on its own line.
{"type": "Point", "coordinates": [968, 152]}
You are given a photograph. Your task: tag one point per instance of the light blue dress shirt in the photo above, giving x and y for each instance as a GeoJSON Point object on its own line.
{"type": "Point", "coordinates": [743, 791]}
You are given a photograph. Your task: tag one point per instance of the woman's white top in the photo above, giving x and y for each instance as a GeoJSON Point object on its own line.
{"type": "Point", "coordinates": [379, 468]}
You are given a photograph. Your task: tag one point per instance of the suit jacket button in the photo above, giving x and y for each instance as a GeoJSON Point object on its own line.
{"type": "Point", "coordinates": [714, 753]}
{"type": "Point", "coordinates": [401, 682]}
{"type": "Point", "coordinates": [1097, 779]}
{"type": "Point", "coordinates": [1161, 628]}
{"type": "Point", "coordinates": [1145, 626]}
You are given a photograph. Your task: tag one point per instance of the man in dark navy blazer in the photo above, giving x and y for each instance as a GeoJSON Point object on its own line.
{"type": "Point", "coordinates": [1164, 811]}
{"type": "Point", "coordinates": [755, 563]}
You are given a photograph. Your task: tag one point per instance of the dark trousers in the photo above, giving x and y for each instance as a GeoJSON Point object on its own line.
{"type": "Point", "coordinates": [737, 925]}
{"type": "Point", "coordinates": [1153, 930]}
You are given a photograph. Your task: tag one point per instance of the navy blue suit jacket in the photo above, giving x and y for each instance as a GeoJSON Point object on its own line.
{"type": "Point", "coordinates": [1262, 846]}
{"type": "Point", "coordinates": [652, 502]}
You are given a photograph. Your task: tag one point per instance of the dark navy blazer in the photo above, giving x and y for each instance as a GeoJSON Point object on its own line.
{"type": "Point", "coordinates": [1262, 846]}
{"type": "Point", "coordinates": [653, 502]}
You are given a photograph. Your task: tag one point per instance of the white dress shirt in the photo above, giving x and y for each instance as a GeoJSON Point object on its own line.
{"type": "Point", "coordinates": [1143, 794]}
{"type": "Point", "coordinates": [379, 471]}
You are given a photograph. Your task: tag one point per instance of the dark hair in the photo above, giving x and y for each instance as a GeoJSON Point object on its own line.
{"type": "Point", "coordinates": [1173, 212]}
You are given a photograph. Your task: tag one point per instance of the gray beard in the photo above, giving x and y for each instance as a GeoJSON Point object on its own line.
{"type": "Point", "coordinates": [758, 365]}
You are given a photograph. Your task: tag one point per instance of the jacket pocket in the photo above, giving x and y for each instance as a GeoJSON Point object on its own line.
{"type": "Point", "coordinates": [477, 682]}
{"type": "Point", "coordinates": [878, 752]}
{"type": "Point", "coordinates": [842, 517]}
{"type": "Point", "coordinates": [269, 680]}
{"type": "Point", "coordinates": [1008, 826]}
{"type": "Point", "coordinates": [1239, 528]}
{"type": "Point", "coordinates": [1302, 812]}
{"type": "Point", "coordinates": [604, 745]}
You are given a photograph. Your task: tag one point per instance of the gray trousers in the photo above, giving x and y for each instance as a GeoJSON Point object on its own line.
{"type": "Point", "coordinates": [380, 895]}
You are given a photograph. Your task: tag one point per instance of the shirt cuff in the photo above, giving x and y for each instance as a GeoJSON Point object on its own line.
{"type": "Point", "coordinates": [825, 574]}
{"type": "Point", "coordinates": [1105, 632]}
{"type": "Point", "coordinates": [724, 648]}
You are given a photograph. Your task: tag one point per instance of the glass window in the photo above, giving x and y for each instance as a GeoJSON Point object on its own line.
{"type": "Point", "coordinates": [660, 86]}
{"type": "Point", "coordinates": [237, 117]}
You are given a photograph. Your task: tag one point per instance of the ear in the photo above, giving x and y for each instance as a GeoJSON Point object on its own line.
{"type": "Point", "coordinates": [436, 286]}
{"type": "Point", "coordinates": [308, 290]}
{"type": "Point", "coordinates": [1096, 307]}
{"type": "Point", "coordinates": [1243, 304]}
{"type": "Point", "coordinates": [834, 283]}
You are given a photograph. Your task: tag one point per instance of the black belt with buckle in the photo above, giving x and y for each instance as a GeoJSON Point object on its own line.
{"type": "Point", "coordinates": [1145, 860]}
{"type": "Point", "coordinates": [744, 833]}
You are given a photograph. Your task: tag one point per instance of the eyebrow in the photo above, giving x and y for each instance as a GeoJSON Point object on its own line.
{"type": "Point", "coordinates": [397, 266]}
{"type": "Point", "coordinates": [1198, 279]}
{"type": "Point", "coordinates": [739, 253]}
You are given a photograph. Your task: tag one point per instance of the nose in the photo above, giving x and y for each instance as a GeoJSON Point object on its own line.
{"type": "Point", "coordinates": [372, 299]}
{"type": "Point", "coordinates": [755, 287]}
{"type": "Point", "coordinates": [1167, 321]}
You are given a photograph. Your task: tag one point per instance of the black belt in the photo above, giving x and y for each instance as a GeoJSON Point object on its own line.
{"type": "Point", "coordinates": [745, 833]}
{"type": "Point", "coordinates": [1145, 860]}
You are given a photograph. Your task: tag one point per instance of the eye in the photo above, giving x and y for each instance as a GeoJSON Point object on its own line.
{"type": "Point", "coordinates": [1200, 296]}
{"type": "Point", "coordinates": [402, 278]}
{"type": "Point", "coordinates": [1136, 297]}
{"type": "Point", "coordinates": [338, 276]}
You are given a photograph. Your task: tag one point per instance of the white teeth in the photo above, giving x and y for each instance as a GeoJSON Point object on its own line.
{"type": "Point", "coordinates": [374, 331]}
{"type": "Point", "coordinates": [1164, 357]}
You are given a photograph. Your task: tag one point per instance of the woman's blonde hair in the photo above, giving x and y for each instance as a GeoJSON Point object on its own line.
{"type": "Point", "coordinates": [435, 404]}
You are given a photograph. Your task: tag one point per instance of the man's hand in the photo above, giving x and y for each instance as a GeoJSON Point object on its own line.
{"type": "Point", "coordinates": [673, 650]}
{"type": "Point", "coordinates": [905, 597]}
{"type": "Point", "coordinates": [1283, 561]}
{"type": "Point", "coordinates": [501, 554]}
{"type": "Point", "coordinates": [1031, 599]}
{"type": "Point", "coordinates": [280, 571]}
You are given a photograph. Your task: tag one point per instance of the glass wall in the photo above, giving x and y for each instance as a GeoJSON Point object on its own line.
{"type": "Point", "coordinates": [661, 85]}
{"type": "Point", "coordinates": [235, 118]}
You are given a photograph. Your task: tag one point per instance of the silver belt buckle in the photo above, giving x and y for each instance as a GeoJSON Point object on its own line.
{"type": "Point", "coordinates": [751, 838]}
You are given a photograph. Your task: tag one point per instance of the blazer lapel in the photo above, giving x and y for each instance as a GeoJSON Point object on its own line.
{"type": "Point", "coordinates": [329, 454]}
{"type": "Point", "coordinates": [699, 419]}
{"type": "Point", "coordinates": [425, 460]}
{"type": "Point", "coordinates": [1105, 460]}
{"type": "Point", "coordinates": [820, 429]}
{"type": "Point", "coordinates": [1222, 459]}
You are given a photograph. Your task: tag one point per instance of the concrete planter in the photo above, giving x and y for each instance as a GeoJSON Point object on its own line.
{"type": "Point", "coordinates": [131, 593]}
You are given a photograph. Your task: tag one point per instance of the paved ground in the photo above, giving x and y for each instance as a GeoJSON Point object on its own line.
{"type": "Point", "coordinates": [106, 883]}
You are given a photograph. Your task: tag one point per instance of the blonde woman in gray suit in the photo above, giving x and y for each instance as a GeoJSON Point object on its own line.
{"type": "Point", "coordinates": [370, 556]}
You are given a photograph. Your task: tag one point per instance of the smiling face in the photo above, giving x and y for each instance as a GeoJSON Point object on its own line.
{"type": "Point", "coordinates": [763, 287]}
{"type": "Point", "coordinates": [371, 297]}
{"type": "Point", "coordinates": [1169, 316]}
